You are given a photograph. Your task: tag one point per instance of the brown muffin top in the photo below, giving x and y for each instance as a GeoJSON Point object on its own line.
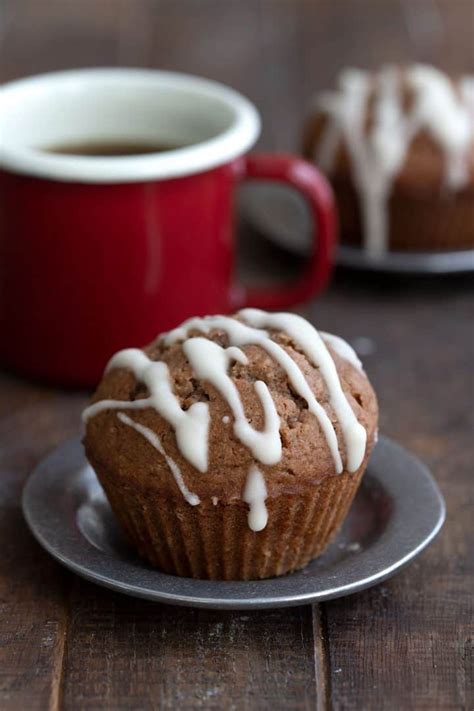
{"type": "Point", "coordinates": [433, 113]}
{"type": "Point", "coordinates": [152, 447]}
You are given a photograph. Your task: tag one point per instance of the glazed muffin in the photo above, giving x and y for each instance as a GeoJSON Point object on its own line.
{"type": "Point", "coordinates": [232, 447]}
{"type": "Point", "coordinates": [398, 147]}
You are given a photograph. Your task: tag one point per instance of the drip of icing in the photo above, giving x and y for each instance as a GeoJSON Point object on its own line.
{"type": "Point", "coordinates": [254, 495]}
{"type": "Point", "coordinates": [210, 362]}
{"type": "Point", "coordinates": [241, 334]}
{"type": "Point", "coordinates": [438, 109]}
{"type": "Point", "coordinates": [343, 349]}
{"type": "Point", "coordinates": [466, 87]}
{"type": "Point", "coordinates": [155, 442]}
{"type": "Point", "coordinates": [378, 155]}
{"type": "Point", "coordinates": [312, 345]}
{"type": "Point", "coordinates": [214, 500]}
{"type": "Point", "coordinates": [191, 426]}
{"type": "Point", "coordinates": [226, 419]}
{"type": "Point", "coordinates": [238, 333]}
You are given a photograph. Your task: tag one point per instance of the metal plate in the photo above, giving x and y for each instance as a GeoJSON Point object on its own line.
{"type": "Point", "coordinates": [397, 513]}
{"type": "Point", "coordinates": [281, 215]}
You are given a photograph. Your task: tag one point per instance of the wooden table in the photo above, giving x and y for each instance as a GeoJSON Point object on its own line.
{"type": "Point", "coordinates": [405, 644]}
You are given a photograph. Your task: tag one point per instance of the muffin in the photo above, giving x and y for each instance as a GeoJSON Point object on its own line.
{"type": "Point", "coordinates": [398, 147]}
{"type": "Point", "coordinates": [232, 447]}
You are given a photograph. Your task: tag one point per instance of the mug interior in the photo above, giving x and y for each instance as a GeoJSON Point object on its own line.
{"type": "Point", "coordinates": [212, 123]}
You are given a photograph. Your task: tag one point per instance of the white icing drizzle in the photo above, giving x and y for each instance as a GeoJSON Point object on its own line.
{"type": "Point", "coordinates": [343, 349]}
{"type": "Point", "coordinates": [241, 334]}
{"type": "Point", "coordinates": [214, 500]}
{"type": "Point", "coordinates": [255, 494]}
{"type": "Point", "coordinates": [466, 87]}
{"type": "Point", "coordinates": [445, 116]}
{"type": "Point", "coordinates": [312, 345]}
{"type": "Point", "coordinates": [210, 362]}
{"type": "Point", "coordinates": [191, 426]}
{"type": "Point", "coordinates": [377, 156]}
{"type": "Point", "coordinates": [155, 442]}
{"type": "Point", "coordinates": [226, 419]}
{"type": "Point", "coordinates": [238, 333]}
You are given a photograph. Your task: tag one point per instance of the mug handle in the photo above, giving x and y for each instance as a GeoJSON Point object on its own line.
{"type": "Point", "coordinates": [308, 181]}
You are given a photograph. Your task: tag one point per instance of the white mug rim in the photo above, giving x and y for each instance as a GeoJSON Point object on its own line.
{"type": "Point", "coordinates": [231, 143]}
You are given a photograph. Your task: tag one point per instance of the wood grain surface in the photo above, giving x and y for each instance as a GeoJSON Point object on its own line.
{"type": "Point", "coordinates": [406, 644]}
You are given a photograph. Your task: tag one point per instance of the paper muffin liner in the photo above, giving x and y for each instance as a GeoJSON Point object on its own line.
{"type": "Point", "coordinates": [215, 542]}
{"type": "Point", "coordinates": [423, 223]}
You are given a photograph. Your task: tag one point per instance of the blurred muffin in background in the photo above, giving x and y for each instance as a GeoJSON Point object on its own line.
{"type": "Point", "coordinates": [398, 147]}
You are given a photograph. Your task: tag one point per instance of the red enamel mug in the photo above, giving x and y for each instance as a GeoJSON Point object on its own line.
{"type": "Point", "coordinates": [98, 253]}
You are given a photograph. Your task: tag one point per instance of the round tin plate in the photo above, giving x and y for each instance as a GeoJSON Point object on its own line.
{"type": "Point", "coordinates": [396, 514]}
{"type": "Point", "coordinates": [281, 215]}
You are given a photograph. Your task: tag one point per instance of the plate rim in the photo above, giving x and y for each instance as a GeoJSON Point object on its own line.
{"type": "Point", "coordinates": [196, 600]}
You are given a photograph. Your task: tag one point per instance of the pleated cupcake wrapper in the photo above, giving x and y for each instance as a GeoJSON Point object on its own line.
{"type": "Point", "coordinates": [215, 542]}
{"type": "Point", "coordinates": [442, 222]}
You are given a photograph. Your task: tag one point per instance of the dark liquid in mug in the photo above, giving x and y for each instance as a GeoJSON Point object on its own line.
{"type": "Point", "coordinates": [112, 149]}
